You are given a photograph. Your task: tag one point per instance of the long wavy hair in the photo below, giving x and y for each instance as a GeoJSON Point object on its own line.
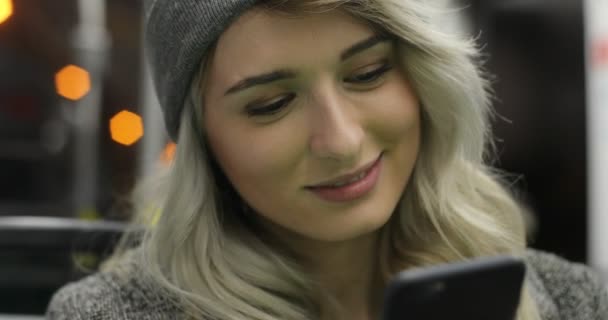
{"type": "Point", "coordinates": [201, 247]}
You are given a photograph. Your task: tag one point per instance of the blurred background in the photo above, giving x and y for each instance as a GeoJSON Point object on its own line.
{"type": "Point", "coordinates": [79, 123]}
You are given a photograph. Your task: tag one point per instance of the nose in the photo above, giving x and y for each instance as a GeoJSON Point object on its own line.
{"type": "Point", "coordinates": [337, 133]}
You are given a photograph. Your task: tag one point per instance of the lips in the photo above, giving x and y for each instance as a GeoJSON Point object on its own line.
{"type": "Point", "coordinates": [347, 178]}
{"type": "Point", "coordinates": [351, 186]}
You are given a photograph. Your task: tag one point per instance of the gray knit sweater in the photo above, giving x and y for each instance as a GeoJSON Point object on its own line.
{"type": "Point", "coordinates": [563, 291]}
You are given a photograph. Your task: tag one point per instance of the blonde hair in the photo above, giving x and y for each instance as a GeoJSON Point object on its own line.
{"type": "Point", "coordinates": [205, 255]}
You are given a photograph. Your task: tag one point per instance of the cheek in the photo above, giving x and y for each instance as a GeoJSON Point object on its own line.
{"type": "Point", "coordinates": [396, 112]}
{"type": "Point", "coordinates": [234, 151]}
{"type": "Point", "coordinates": [257, 162]}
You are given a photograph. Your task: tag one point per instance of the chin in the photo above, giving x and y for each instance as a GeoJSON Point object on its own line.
{"type": "Point", "coordinates": [354, 229]}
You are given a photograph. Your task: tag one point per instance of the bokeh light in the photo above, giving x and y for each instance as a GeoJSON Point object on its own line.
{"type": "Point", "coordinates": [600, 52]}
{"type": "Point", "coordinates": [166, 157]}
{"type": "Point", "coordinates": [72, 82]}
{"type": "Point", "coordinates": [6, 10]}
{"type": "Point", "coordinates": [126, 128]}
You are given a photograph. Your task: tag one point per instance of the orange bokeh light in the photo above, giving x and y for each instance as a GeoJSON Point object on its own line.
{"type": "Point", "coordinates": [6, 10]}
{"type": "Point", "coordinates": [166, 157]}
{"type": "Point", "coordinates": [72, 82]}
{"type": "Point", "coordinates": [126, 128]}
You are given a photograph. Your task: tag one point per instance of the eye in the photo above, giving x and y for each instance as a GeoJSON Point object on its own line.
{"type": "Point", "coordinates": [271, 107]}
{"type": "Point", "coordinates": [370, 74]}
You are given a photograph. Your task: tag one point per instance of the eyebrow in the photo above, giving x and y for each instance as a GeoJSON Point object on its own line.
{"type": "Point", "coordinates": [288, 74]}
{"type": "Point", "coordinates": [363, 45]}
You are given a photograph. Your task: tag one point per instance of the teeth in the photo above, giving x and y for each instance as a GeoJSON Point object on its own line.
{"type": "Point", "coordinates": [355, 179]}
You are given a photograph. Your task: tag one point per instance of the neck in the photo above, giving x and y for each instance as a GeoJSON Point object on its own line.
{"type": "Point", "coordinates": [347, 274]}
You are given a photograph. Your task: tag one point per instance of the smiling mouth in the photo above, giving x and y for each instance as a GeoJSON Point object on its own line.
{"type": "Point", "coordinates": [347, 179]}
{"type": "Point", "coordinates": [350, 187]}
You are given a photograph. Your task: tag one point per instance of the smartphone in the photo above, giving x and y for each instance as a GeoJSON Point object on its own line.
{"type": "Point", "coordinates": [479, 289]}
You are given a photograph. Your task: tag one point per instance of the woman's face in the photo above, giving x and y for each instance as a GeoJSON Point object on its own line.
{"type": "Point", "coordinates": [313, 122]}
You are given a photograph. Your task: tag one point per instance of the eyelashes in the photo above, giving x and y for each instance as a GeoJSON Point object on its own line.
{"type": "Point", "coordinates": [365, 80]}
{"type": "Point", "coordinates": [274, 106]}
{"type": "Point", "coordinates": [369, 76]}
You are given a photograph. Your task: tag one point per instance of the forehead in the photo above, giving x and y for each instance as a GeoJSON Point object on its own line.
{"type": "Point", "coordinates": [267, 39]}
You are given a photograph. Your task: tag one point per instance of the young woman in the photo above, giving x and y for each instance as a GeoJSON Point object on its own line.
{"type": "Point", "coordinates": [323, 146]}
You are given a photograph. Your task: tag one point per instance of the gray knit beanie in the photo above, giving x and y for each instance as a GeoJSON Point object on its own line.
{"type": "Point", "coordinates": [177, 34]}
